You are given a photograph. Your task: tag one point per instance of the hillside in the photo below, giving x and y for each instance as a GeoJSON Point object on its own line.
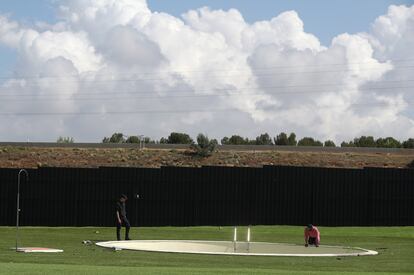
{"type": "Point", "coordinates": [32, 157]}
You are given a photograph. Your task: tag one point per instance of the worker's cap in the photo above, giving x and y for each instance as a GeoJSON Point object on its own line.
{"type": "Point", "coordinates": [310, 226]}
{"type": "Point", "coordinates": [123, 196]}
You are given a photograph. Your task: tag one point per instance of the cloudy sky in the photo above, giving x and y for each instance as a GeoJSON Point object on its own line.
{"type": "Point", "coordinates": [88, 68]}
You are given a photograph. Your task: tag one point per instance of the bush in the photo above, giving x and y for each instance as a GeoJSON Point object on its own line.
{"type": "Point", "coordinates": [308, 141]}
{"type": "Point", "coordinates": [115, 138]}
{"type": "Point", "coordinates": [409, 143]}
{"type": "Point", "coordinates": [65, 140]}
{"type": "Point", "coordinates": [388, 142]}
{"type": "Point", "coordinates": [329, 143]}
{"type": "Point", "coordinates": [347, 144]}
{"type": "Point", "coordinates": [369, 141]}
{"type": "Point", "coordinates": [139, 139]}
{"type": "Point", "coordinates": [133, 139]}
{"type": "Point", "coordinates": [264, 139]}
{"type": "Point", "coordinates": [365, 141]}
{"type": "Point", "coordinates": [179, 138]}
{"type": "Point", "coordinates": [204, 147]}
{"type": "Point", "coordinates": [234, 140]}
{"type": "Point", "coordinates": [283, 139]}
{"type": "Point", "coordinates": [224, 141]}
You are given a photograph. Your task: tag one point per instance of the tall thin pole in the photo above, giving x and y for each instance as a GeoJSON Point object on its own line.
{"type": "Point", "coordinates": [18, 205]}
{"type": "Point", "coordinates": [248, 239]}
{"type": "Point", "coordinates": [235, 239]}
{"type": "Point", "coordinates": [141, 142]}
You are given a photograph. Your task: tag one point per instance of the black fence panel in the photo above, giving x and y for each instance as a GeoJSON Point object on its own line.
{"type": "Point", "coordinates": [8, 191]}
{"type": "Point", "coordinates": [186, 196]}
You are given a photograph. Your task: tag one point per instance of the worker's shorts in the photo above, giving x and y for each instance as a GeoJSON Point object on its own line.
{"type": "Point", "coordinates": [312, 241]}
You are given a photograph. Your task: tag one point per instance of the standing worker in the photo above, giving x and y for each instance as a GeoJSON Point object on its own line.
{"type": "Point", "coordinates": [312, 235]}
{"type": "Point", "coordinates": [121, 218]}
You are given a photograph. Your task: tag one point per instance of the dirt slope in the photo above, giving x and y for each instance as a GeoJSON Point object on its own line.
{"type": "Point", "coordinates": [31, 157]}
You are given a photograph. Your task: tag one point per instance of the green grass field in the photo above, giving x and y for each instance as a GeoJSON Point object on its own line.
{"type": "Point", "coordinates": [395, 245]}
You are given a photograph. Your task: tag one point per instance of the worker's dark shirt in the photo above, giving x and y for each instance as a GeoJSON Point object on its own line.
{"type": "Point", "coordinates": [120, 207]}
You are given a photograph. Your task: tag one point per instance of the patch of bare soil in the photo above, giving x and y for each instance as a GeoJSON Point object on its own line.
{"type": "Point", "coordinates": [30, 157]}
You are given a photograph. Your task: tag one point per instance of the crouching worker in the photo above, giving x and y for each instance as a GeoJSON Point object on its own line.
{"type": "Point", "coordinates": [312, 235]}
{"type": "Point", "coordinates": [121, 218]}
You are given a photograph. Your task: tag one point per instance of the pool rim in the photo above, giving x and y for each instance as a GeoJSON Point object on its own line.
{"type": "Point", "coordinates": [364, 252]}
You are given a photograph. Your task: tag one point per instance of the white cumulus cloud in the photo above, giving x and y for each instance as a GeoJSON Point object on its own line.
{"type": "Point", "coordinates": [114, 65]}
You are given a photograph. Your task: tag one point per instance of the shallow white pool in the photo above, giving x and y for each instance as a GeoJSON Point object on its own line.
{"type": "Point", "coordinates": [241, 248]}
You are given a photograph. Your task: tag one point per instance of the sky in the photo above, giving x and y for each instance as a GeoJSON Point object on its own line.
{"type": "Point", "coordinates": [85, 69]}
{"type": "Point", "coordinates": [348, 16]}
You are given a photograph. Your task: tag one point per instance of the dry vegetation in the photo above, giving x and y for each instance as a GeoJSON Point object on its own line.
{"type": "Point", "coordinates": [29, 157]}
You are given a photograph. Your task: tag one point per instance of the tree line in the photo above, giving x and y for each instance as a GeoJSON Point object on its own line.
{"type": "Point", "coordinates": [281, 139]}
{"type": "Point", "coordinates": [203, 147]}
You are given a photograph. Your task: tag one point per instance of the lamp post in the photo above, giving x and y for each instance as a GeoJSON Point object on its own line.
{"type": "Point", "coordinates": [18, 204]}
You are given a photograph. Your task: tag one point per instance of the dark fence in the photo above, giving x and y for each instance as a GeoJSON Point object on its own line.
{"type": "Point", "coordinates": [184, 196]}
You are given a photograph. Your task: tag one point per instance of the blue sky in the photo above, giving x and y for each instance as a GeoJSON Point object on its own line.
{"type": "Point", "coordinates": [349, 16]}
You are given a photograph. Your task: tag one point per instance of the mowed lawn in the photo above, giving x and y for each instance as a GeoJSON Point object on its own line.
{"type": "Point", "coordinates": [395, 245]}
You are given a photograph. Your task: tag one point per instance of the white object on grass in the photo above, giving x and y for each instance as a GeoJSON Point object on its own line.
{"type": "Point", "coordinates": [38, 250]}
{"type": "Point", "coordinates": [227, 248]}
{"type": "Point", "coordinates": [248, 239]}
{"type": "Point", "coordinates": [235, 239]}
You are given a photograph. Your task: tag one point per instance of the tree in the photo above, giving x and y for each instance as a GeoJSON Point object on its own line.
{"type": "Point", "coordinates": [139, 139]}
{"type": "Point", "coordinates": [215, 141]}
{"type": "Point", "coordinates": [347, 144]}
{"type": "Point", "coordinates": [329, 143]}
{"type": "Point", "coordinates": [281, 139]}
{"type": "Point", "coordinates": [148, 140]}
{"type": "Point", "coordinates": [204, 147]}
{"type": "Point", "coordinates": [388, 142]}
{"type": "Point", "coordinates": [250, 141]}
{"type": "Point", "coordinates": [116, 138]}
{"type": "Point", "coordinates": [237, 140]}
{"type": "Point", "coordinates": [264, 139]}
{"type": "Point", "coordinates": [133, 139]}
{"type": "Point", "coordinates": [409, 143]}
{"type": "Point", "coordinates": [65, 140]}
{"type": "Point", "coordinates": [365, 141]}
{"type": "Point", "coordinates": [308, 141]}
{"type": "Point", "coordinates": [292, 139]}
{"type": "Point", "coordinates": [163, 140]}
{"type": "Point", "coordinates": [225, 141]}
{"type": "Point", "coordinates": [179, 138]}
